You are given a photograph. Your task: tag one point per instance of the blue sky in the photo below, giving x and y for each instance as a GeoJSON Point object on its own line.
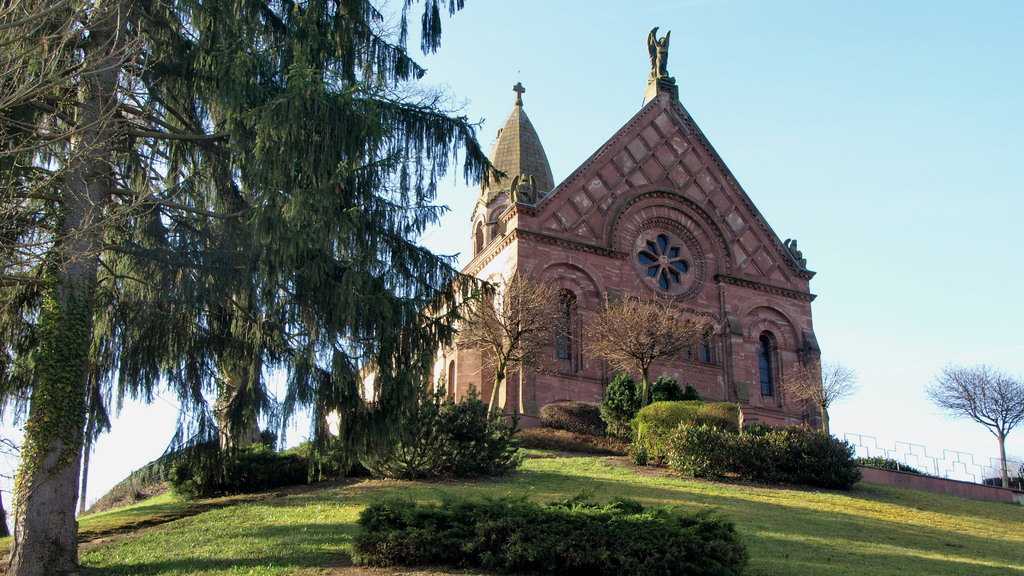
{"type": "Point", "coordinates": [886, 136]}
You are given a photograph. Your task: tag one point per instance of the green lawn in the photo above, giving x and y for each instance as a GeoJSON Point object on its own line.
{"type": "Point", "coordinates": [872, 530]}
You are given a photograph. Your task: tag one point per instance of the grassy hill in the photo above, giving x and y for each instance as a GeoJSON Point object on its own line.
{"type": "Point", "coordinates": [872, 530]}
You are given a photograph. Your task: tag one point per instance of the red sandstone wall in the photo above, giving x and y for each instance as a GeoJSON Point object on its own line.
{"type": "Point", "coordinates": [940, 485]}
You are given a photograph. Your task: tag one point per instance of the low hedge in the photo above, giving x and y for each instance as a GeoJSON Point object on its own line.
{"type": "Point", "coordinates": [791, 454]}
{"type": "Point", "coordinates": [576, 417]}
{"type": "Point", "coordinates": [888, 464]}
{"type": "Point", "coordinates": [565, 441]}
{"type": "Point", "coordinates": [573, 537]}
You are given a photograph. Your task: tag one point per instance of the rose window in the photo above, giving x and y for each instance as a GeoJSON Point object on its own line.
{"type": "Point", "coordinates": [664, 261]}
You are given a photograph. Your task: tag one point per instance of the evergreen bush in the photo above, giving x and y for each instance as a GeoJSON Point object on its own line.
{"type": "Point", "coordinates": [237, 471]}
{"type": "Point", "coordinates": [666, 389]}
{"type": "Point", "coordinates": [620, 404]}
{"type": "Point", "coordinates": [576, 417]}
{"type": "Point", "coordinates": [572, 537]}
{"type": "Point", "coordinates": [441, 437]}
{"type": "Point", "coordinates": [690, 393]}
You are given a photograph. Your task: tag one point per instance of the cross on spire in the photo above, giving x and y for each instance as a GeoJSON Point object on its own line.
{"type": "Point", "coordinates": [518, 89]}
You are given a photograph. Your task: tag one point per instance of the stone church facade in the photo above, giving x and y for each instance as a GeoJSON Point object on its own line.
{"type": "Point", "coordinates": [653, 212]}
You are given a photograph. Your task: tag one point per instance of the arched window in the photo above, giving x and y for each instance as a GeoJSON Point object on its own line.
{"type": "Point", "coordinates": [478, 239]}
{"type": "Point", "coordinates": [566, 321]}
{"type": "Point", "coordinates": [705, 348]}
{"type": "Point", "coordinates": [766, 364]}
{"type": "Point", "coordinates": [451, 378]}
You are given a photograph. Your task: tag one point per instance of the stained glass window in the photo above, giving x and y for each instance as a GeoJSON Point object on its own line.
{"type": "Point", "coordinates": [663, 261]}
{"type": "Point", "coordinates": [764, 362]}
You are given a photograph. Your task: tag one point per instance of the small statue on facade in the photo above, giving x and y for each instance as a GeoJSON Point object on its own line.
{"type": "Point", "coordinates": [790, 245]}
{"type": "Point", "coordinates": [658, 51]}
{"type": "Point", "coordinates": [523, 189]}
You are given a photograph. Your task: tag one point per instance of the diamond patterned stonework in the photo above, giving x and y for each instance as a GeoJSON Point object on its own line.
{"type": "Point", "coordinates": [653, 213]}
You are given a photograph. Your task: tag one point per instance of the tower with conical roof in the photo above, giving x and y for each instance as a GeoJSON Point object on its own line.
{"type": "Point", "coordinates": [654, 213]}
{"type": "Point", "coordinates": [518, 153]}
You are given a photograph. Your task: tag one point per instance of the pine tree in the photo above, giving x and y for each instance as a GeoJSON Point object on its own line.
{"type": "Point", "coordinates": [195, 191]}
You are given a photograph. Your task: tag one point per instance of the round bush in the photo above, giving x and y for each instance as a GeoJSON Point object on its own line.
{"type": "Point", "coordinates": [655, 423]}
{"type": "Point", "coordinates": [578, 417]}
{"type": "Point", "coordinates": [666, 389]}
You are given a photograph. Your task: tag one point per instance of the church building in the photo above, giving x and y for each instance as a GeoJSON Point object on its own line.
{"type": "Point", "coordinates": [653, 212]}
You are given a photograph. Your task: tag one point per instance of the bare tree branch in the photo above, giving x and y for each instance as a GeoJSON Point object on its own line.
{"type": "Point", "coordinates": [511, 326]}
{"type": "Point", "coordinates": [983, 394]}
{"type": "Point", "coordinates": [820, 384]}
{"type": "Point", "coordinates": [637, 332]}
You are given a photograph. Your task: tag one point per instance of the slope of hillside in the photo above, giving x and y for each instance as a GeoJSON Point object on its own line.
{"type": "Point", "coordinates": [872, 530]}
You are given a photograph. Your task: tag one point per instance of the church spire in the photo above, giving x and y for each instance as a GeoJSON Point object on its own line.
{"type": "Point", "coordinates": [518, 153]}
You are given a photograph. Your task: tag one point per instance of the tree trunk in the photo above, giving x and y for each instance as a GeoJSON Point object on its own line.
{"type": "Point", "coordinates": [4, 531]}
{"type": "Point", "coordinates": [45, 529]}
{"type": "Point", "coordinates": [645, 387]}
{"type": "Point", "coordinates": [824, 418]}
{"type": "Point", "coordinates": [235, 431]}
{"type": "Point", "coordinates": [1002, 458]}
{"type": "Point", "coordinates": [499, 377]}
{"type": "Point", "coordinates": [82, 491]}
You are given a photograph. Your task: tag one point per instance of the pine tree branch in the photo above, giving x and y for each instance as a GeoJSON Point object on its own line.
{"type": "Point", "coordinates": [179, 206]}
{"type": "Point", "coordinates": [7, 281]}
{"type": "Point", "coordinates": [142, 114]}
{"type": "Point", "coordinates": [182, 137]}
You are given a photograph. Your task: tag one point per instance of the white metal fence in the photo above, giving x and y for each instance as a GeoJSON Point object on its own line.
{"type": "Point", "coordinates": [940, 462]}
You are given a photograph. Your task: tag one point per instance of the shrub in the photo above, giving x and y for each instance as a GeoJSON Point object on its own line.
{"type": "Point", "coordinates": [565, 441]}
{"type": "Point", "coordinates": [237, 471]}
{"type": "Point", "coordinates": [792, 454]}
{"type": "Point", "coordinates": [666, 389]}
{"type": "Point", "coordinates": [816, 458]}
{"type": "Point", "coordinates": [700, 450]}
{"type": "Point", "coordinates": [888, 464]}
{"type": "Point", "coordinates": [441, 437]}
{"type": "Point", "coordinates": [690, 393]}
{"type": "Point", "coordinates": [722, 415]}
{"type": "Point", "coordinates": [577, 417]}
{"type": "Point", "coordinates": [620, 404]}
{"type": "Point", "coordinates": [655, 423]}
{"type": "Point", "coordinates": [571, 537]}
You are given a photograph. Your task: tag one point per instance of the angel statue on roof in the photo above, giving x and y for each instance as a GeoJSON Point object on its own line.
{"type": "Point", "coordinates": [658, 50]}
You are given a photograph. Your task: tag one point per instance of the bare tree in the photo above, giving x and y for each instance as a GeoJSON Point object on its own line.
{"type": "Point", "coordinates": [637, 332]}
{"type": "Point", "coordinates": [983, 394]}
{"type": "Point", "coordinates": [511, 325]}
{"type": "Point", "coordinates": [821, 384]}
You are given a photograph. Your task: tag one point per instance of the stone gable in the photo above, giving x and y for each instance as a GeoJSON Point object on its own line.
{"type": "Point", "coordinates": [653, 212]}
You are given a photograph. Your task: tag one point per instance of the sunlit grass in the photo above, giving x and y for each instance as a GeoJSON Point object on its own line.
{"type": "Point", "coordinates": [872, 530]}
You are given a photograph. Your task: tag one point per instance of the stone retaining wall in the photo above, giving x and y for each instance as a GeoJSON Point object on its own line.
{"type": "Point", "coordinates": [940, 485]}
